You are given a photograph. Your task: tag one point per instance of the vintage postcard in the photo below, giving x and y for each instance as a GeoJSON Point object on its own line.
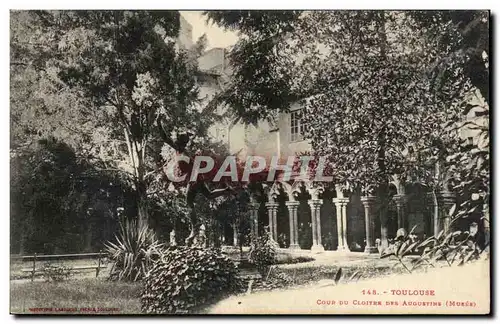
{"type": "Point", "coordinates": [249, 162]}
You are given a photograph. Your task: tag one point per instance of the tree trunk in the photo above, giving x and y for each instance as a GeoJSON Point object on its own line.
{"type": "Point", "coordinates": [142, 205]}
{"type": "Point", "coordinates": [136, 156]}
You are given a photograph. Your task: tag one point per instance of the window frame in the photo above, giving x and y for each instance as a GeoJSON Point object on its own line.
{"type": "Point", "coordinates": [297, 126]}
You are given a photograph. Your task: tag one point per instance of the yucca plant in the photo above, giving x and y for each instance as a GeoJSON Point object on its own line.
{"type": "Point", "coordinates": [134, 252]}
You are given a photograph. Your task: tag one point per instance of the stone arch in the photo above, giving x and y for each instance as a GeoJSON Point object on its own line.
{"type": "Point", "coordinates": [398, 184]}
{"type": "Point", "coordinates": [272, 192]}
{"type": "Point", "coordinates": [297, 188]}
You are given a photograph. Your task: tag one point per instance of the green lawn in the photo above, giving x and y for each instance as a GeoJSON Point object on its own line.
{"type": "Point", "coordinates": [79, 294]}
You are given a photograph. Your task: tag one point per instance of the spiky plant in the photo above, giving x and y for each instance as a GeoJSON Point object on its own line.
{"type": "Point", "coordinates": [134, 251]}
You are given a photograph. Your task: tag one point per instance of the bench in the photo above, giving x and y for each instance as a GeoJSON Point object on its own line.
{"type": "Point", "coordinates": [60, 257]}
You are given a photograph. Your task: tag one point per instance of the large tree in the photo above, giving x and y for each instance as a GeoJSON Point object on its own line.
{"type": "Point", "coordinates": [124, 73]}
{"type": "Point", "coordinates": [61, 203]}
{"type": "Point", "coordinates": [373, 105]}
{"type": "Point", "coordinates": [461, 33]}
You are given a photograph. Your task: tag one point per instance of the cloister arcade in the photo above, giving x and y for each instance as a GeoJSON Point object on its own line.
{"type": "Point", "coordinates": [302, 215]}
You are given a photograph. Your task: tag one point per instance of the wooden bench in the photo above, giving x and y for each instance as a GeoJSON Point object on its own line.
{"type": "Point", "coordinates": [60, 257]}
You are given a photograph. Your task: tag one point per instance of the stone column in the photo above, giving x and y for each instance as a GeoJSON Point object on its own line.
{"type": "Point", "coordinates": [344, 224]}
{"type": "Point", "coordinates": [369, 204]}
{"type": "Point", "coordinates": [338, 209]}
{"type": "Point", "coordinates": [294, 230]}
{"type": "Point", "coordinates": [315, 205]}
{"type": "Point", "coordinates": [254, 218]}
{"type": "Point", "coordinates": [447, 201]}
{"type": "Point", "coordinates": [272, 210]}
{"type": "Point", "coordinates": [400, 201]}
{"type": "Point", "coordinates": [436, 224]}
{"type": "Point", "coordinates": [341, 208]}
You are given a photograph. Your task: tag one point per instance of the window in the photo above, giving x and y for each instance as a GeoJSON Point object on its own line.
{"type": "Point", "coordinates": [297, 126]}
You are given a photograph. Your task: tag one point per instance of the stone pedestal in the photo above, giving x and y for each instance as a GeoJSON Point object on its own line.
{"type": "Point", "coordinates": [315, 205]}
{"type": "Point", "coordinates": [272, 210]}
{"type": "Point", "coordinates": [173, 242]}
{"type": "Point", "coordinates": [294, 229]}
{"type": "Point", "coordinates": [341, 209]}
{"type": "Point", "coordinates": [369, 205]}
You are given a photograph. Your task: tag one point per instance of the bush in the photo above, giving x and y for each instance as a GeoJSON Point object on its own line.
{"type": "Point", "coordinates": [187, 278]}
{"type": "Point", "coordinates": [55, 273]}
{"type": "Point", "coordinates": [134, 253]}
{"type": "Point", "coordinates": [263, 253]}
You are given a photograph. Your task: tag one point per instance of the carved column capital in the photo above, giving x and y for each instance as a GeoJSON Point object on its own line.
{"type": "Point", "coordinates": [400, 200]}
{"type": "Point", "coordinates": [340, 201]}
{"type": "Point", "coordinates": [368, 200]}
{"type": "Point", "coordinates": [272, 205]}
{"type": "Point", "coordinates": [292, 204]}
{"type": "Point", "coordinates": [315, 203]}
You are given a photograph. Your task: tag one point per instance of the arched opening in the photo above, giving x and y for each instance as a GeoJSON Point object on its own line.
{"type": "Point", "coordinates": [283, 220]}
{"type": "Point", "coordinates": [304, 220]}
{"type": "Point", "coordinates": [392, 213]}
{"type": "Point", "coordinates": [419, 209]}
{"type": "Point", "coordinates": [328, 216]}
{"type": "Point", "coordinates": [356, 232]}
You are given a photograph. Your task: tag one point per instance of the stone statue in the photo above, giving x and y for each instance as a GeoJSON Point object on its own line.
{"type": "Point", "coordinates": [172, 238]}
{"type": "Point", "coordinates": [201, 239]}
